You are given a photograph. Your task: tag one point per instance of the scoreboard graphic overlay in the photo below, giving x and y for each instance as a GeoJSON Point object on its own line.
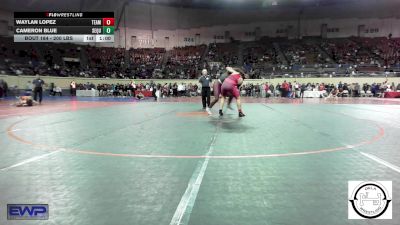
{"type": "Point", "coordinates": [63, 26]}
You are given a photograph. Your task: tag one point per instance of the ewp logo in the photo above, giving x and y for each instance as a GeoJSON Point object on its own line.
{"type": "Point", "coordinates": [27, 211]}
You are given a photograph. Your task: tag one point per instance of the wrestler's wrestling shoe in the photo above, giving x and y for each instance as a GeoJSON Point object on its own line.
{"type": "Point", "coordinates": [241, 114]}
{"type": "Point", "coordinates": [221, 113]}
{"type": "Point", "coordinates": [208, 111]}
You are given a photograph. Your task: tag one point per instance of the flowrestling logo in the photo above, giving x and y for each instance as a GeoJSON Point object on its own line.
{"type": "Point", "coordinates": [370, 200]}
{"type": "Point", "coordinates": [27, 211]}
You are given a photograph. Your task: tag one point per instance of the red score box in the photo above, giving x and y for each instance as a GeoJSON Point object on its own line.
{"type": "Point", "coordinates": [108, 21]}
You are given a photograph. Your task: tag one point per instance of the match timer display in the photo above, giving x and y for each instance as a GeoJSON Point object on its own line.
{"type": "Point", "coordinates": [64, 26]}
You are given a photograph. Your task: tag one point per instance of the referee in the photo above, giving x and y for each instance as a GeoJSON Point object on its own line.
{"type": "Point", "coordinates": [38, 88]}
{"type": "Point", "coordinates": [205, 81]}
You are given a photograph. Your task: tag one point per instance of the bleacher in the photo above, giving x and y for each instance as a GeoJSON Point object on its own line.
{"type": "Point", "coordinates": [267, 57]}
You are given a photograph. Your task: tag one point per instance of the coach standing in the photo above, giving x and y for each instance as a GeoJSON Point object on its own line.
{"type": "Point", "coordinates": [38, 88]}
{"type": "Point", "coordinates": [73, 88]}
{"type": "Point", "coordinates": [205, 81]}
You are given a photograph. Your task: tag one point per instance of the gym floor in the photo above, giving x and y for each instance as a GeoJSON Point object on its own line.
{"type": "Point", "coordinates": [115, 161]}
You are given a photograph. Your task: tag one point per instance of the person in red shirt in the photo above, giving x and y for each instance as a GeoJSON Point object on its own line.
{"type": "Point", "coordinates": [285, 89]}
{"type": "Point", "coordinates": [230, 88]}
{"type": "Point", "coordinates": [266, 88]}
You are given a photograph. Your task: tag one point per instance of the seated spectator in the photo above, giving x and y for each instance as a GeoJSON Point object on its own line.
{"type": "Point", "coordinates": [140, 95]}
{"type": "Point", "coordinates": [25, 101]}
{"type": "Point", "coordinates": [334, 93]}
{"type": "Point", "coordinates": [57, 91]}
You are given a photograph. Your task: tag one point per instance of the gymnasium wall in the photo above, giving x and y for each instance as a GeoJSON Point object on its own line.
{"type": "Point", "coordinates": [147, 16]}
{"type": "Point", "coordinates": [6, 20]}
{"type": "Point", "coordinates": [312, 27]}
{"type": "Point", "coordinates": [21, 81]}
{"type": "Point", "coordinates": [151, 24]}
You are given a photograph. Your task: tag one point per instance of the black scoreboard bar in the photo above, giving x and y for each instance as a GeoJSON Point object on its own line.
{"type": "Point", "coordinates": [63, 14]}
{"type": "Point", "coordinates": [63, 26]}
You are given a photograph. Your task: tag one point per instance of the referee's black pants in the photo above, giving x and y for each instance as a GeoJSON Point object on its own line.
{"type": "Point", "coordinates": [36, 91]}
{"type": "Point", "coordinates": [205, 96]}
